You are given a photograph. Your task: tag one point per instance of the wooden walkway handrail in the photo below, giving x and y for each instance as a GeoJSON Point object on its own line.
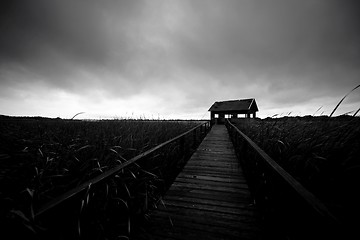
{"type": "Point", "coordinates": [111, 172]}
{"type": "Point", "coordinates": [268, 170]}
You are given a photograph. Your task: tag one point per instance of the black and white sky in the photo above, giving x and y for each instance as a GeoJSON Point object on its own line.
{"type": "Point", "coordinates": [174, 58]}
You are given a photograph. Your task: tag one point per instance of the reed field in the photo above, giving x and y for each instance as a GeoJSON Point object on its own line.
{"type": "Point", "coordinates": [42, 158]}
{"type": "Point", "coordinates": [322, 153]}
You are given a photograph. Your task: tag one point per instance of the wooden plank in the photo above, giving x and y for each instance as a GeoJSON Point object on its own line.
{"type": "Point", "coordinates": [179, 232]}
{"type": "Point", "coordinates": [211, 174]}
{"type": "Point", "coordinates": [214, 163]}
{"type": "Point", "coordinates": [206, 201]}
{"type": "Point", "coordinates": [213, 170]}
{"type": "Point", "coordinates": [235, 185]}
{"type": "Point", "coordinates": [210, 187]}
{"type": "Point", "coordinates": [182, 228]}
{"type": "Point", "coordinates": [226, 231]}
{"type": "Point", "coordinates": [209, 199]}
{"type": "Point", "coordinates": [218, 170]}
{"type": "Point", "coordinates": [212, 178]}
{"type": "Point", "coordinates": [224, 196]}
{"type": "Point", "coordinates": [229, 168]}
{"type": "Point", "coordinates": [223, 161]}
{"type": "Point", "coordinates": [210, 208]}
{"type": "Point", "coordinates": [213, 223]}
{"type": "Point", "coordinates": [209, 217]}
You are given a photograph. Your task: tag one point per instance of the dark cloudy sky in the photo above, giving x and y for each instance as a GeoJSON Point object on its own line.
{"type": "Point", "coordinates": [174, 58]}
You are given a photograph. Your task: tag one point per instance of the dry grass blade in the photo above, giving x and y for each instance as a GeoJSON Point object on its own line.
{"type": "Point", "coordinates": [107, 190]}
{"type": "Point", "coordinates": [4, 156]}
{"type": "Point", "coordinates": [82, 148]}
{"type": "Point", "coordinates": [123, 201]}
{"type": "Point", "coordinates": [347, 113]}
{"type": "Point", "coordinates": [149, 173]}
{"type": "Point", "coordinates": [356, 112]}
{"type": "Point", "coordinates": [162, 202]}
{"type": "Point", "coordinates": [77, 115]}
{"type": "Point", "coordinates": [129, 226]}
{"type": "Point", "coordinates": [79, 227]}
{"type": "Point", "coordinates": [85, 201]}
{"type": "Point", "coordinates": [317, 110]}
{"type": "Point", "coordinates": [119, 155]}
{"type": "Point", "coordinates": [24, 219]}
{"type": "Point", "coordinates": [127, 190]}
{"type": "Point", "coordinates": [132, 174]}
{"type": "Point", "coordinates": [123, 237]}
{"type": "Point", "coordinates": [171, 222]}
{"type": "Point", "coordinates": [343, 99]}
{"type": "Point", "coordinates": [20, 214]}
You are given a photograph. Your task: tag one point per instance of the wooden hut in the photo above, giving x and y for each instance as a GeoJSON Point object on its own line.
{"type": "Point", "coordinates": [233, 109]}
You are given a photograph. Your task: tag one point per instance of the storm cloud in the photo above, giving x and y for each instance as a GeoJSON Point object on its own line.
{"type": "Point", "coordinates": [175, 58]}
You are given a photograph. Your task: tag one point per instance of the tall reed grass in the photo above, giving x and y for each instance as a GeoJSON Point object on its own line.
{"type": "Point", "coordinates": [41, 159]}
{"type": "Point", "coordinates": [322, 153]}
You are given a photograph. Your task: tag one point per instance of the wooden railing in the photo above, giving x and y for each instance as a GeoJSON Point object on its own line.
{"type": "Point", "coordinates": [288, 209]}
{"type": "Point", "coordinates": [116, 200]}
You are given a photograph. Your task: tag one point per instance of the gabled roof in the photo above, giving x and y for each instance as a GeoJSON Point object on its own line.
{"type": "Point", "coordinates": [234, 105]}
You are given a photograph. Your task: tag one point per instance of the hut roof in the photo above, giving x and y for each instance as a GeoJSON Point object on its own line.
{"type": "Point", "coordinates": [234, 105]}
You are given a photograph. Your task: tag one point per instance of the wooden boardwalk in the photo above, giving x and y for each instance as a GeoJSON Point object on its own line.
{"type": "Point", "coordinates": [209, 199]}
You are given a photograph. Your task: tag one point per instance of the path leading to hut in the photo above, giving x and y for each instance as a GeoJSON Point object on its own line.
{"type": "Point", "coordinates": [209, 199]}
